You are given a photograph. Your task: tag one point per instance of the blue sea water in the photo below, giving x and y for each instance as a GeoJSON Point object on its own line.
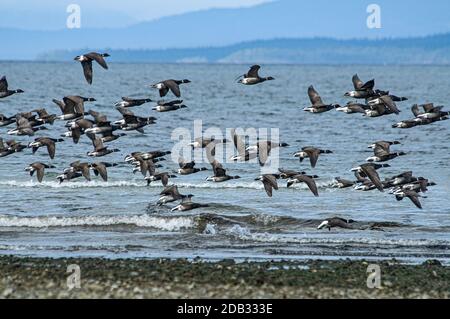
{"type": "Point", "coordinates": [119, 218]}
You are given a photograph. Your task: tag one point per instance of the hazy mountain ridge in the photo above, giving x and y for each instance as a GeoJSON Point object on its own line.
{"type": "Point", "coordinates": [422, 50]}
{"type": "Point", "coordinates": [224, 27]}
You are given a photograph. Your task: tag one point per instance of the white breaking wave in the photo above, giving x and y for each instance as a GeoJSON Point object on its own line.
{"type": "Point", "coordinates": [210, 229]}
{"type": "Point", "coordinates": [168, 224]}
{"type": "Point", "coordinates": [245, 234]}
{"type": "Point", "coordinates": [79, 184]}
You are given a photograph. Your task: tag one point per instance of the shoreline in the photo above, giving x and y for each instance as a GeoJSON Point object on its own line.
{"type": "Point", "coordinates": [26, 277]}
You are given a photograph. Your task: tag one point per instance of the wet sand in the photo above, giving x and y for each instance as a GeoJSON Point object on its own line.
{"type": "Point", "coordinates": [22, 277]}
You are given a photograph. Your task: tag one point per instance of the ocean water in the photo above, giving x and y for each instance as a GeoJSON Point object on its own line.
{"type": "Point", "coordinates": [119, 219]}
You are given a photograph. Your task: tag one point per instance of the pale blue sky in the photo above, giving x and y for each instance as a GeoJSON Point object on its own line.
{"type": "Point", "coordinates": [191, 24]}
{"type": "Point", "coordinates": [51, 14]}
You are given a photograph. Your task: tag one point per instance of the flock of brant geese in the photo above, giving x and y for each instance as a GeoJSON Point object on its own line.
{"type": "Point", "coordinates": [102, 131]}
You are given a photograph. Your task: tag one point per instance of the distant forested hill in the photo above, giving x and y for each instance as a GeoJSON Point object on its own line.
{"type": "Point", "coordinates": [423, 50]}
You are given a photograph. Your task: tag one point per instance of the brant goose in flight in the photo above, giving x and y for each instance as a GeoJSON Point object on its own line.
{"type": "Point", "coordinates": [4, 91]}
{"type": "Point", "coordinates": [379, 93]}
{"type": "Point", "coordinates": [352, 108]}
{"type": "Point", "coordinates": [382, 105]}
{"type": "Point", "coordinates": [5, 151]}
{"type": "Point", "coordinates": [406, 124]}
{"type": "Point", "coordinates": [317, 104]}
{"type": "Point", "coordinates": [78, 128]}
{"type": "Point", "coordinates": [312, 153]}
{"type": "Point", "coordinates": [187, 205]}
{"type": "Point", "coordinates": [39, 168]}
{"type": "Point", "coordinates": [34, 121]}
{"type": "Point", "coordinates": [337, 222]}
{"type": "Point", "coordinates": [382, 153]}
{"type": "Point", "coordinates": [374, 145]}
{"type": "Point", "coordinates": [72, 107]}
{"type": "Point", "coordinates": [169, 106]}
{"type": "Point", "coordinates": [102, 125]}
{"type": "Point", "coordinates": [100, 168]}
{"type": "Point", "coordinates": [108, 137]}
{"type": "Point", "coordinates": [141, 162]}
{"type": "Point", "coordinates": [265, 148]}
{"type": "Point", "coordinates": [370, 171]}
{"type": "Point", "coordinates": [99, 149]}
{"type": "Point", "coordinates": [50, 143]}
{"type": "Point", "coordinates": [146, 156]}
{"type": "Point", "coordinates": [270, 183]}
{"type": "Point", "coordinates": [404, 178]}
{"type": "Point", "coordinates": [377, 111]}
{"type": "Point", "coordinates": [25, 127]}
{"type": "Point", "coordinates": [408, 181]}
{"type": "Point", "coordinates": [252, 77]}
{"type": "Point", "coordinates": [148, 165]}
{"type": "Point", "coordinates": [412, 195]}
{"type": "Point", "coordinates": [10, 148]}
{"type": "Point", "coordinates": [99, 118]}
{"type": "Point", "coordinates": [172, 85]}
{"type": "Point", "coordinates": [220, 174]}
{"type": "Point", "coordinates": [342, 183]}
{"type": "Point", "coordinates": [144, 165]}
{"type": "Point", "coordinates": [189, 168]}
{"type": "Point", "coordinates": [245, 153]}
{"type": "Point", "coordinates": [131, 122]}
{"type": "Point", "coordinates": [423, 119]}
{"type": "Point", "coordinates": [420, 185]}
{"type": "Point", "coordinates": [129, 102]}
{"type": "Point", "coordinates": [362, 90]}
{"type": "Point", "coordinates": [86, 63]}
{"type": "Point", "coordinates": [308, 180]}
{"type": "Point", "coordinates": [286, 174]}
{"type": "Point", "coordinates": [366, 185]}
{"type": "Point", "coordinates": [44, 117]}
{"type": "Point", "coordinates": [430, 111]}
{"type": "Point", "coordinates": [81, 167]}
{"type": "Point", "coordinates": [5, 121]}
{"type": "Point", "coordinates": [170, 195]}
{"type": "Point", "coordinates": [205, 142]}
{"type": "Point", "coordinates": [67, 176]}
{"type": "Point", "coordinates": [16, 146]}
{"type": "Point", "coordinates": [154, 177]}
